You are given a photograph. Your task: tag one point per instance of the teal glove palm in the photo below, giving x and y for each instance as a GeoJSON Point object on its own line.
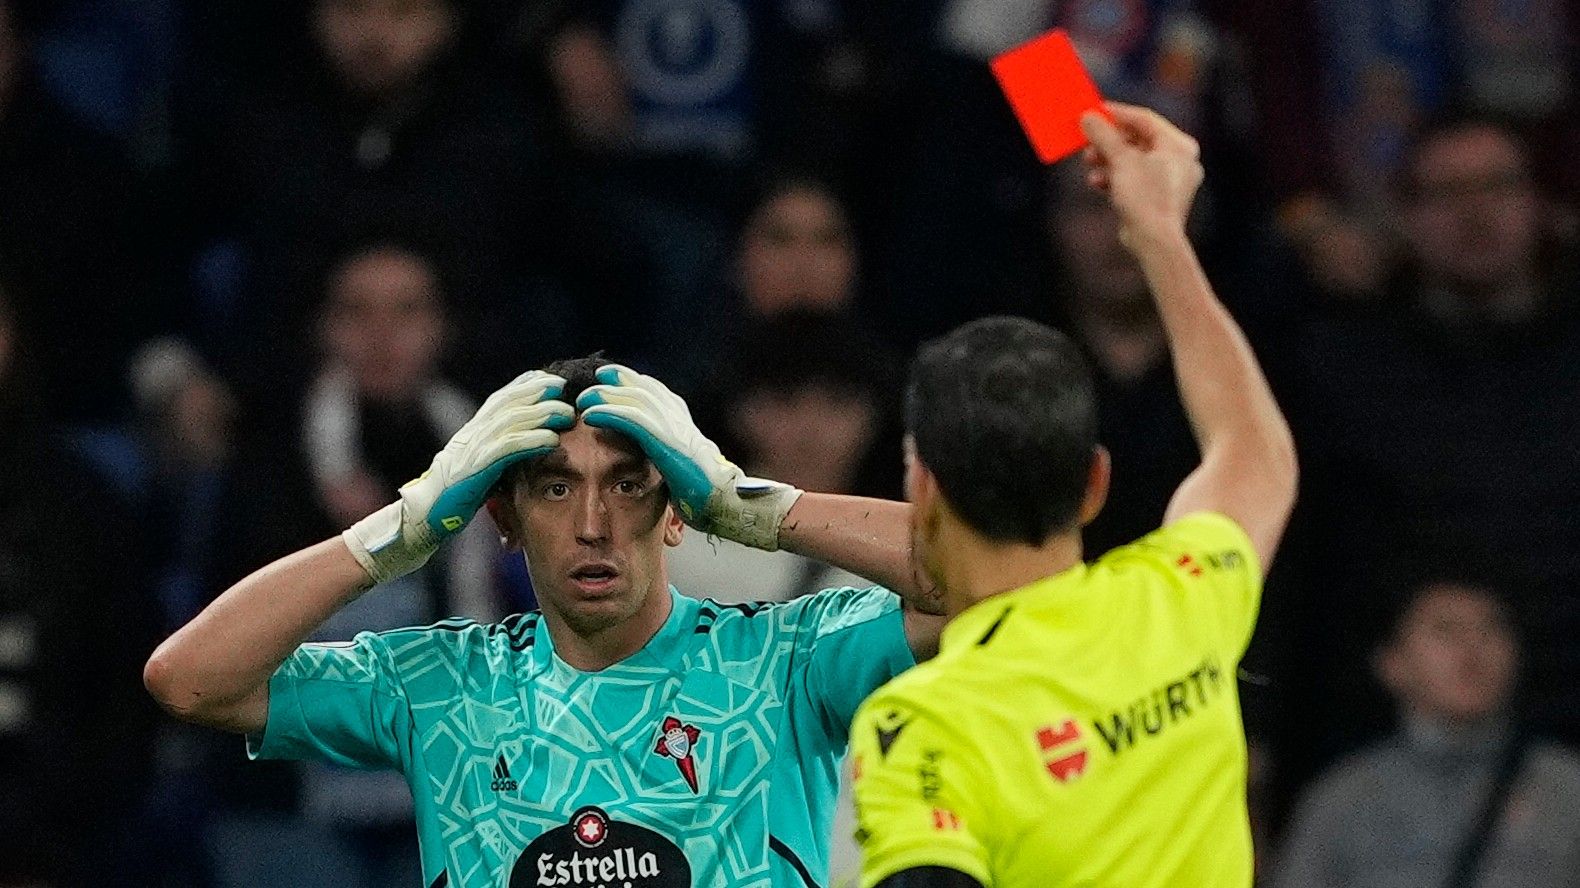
{"type": "Point", "coordinates": [712, 493]}
{"type": "Point", "coordinates": [516, 423]}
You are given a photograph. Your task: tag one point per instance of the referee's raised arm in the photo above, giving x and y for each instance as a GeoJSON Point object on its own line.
{"type": "Point", "coordinates": [1248, 471]}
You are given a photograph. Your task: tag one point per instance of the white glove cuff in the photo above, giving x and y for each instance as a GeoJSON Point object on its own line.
{"type": "Point", "coordinates": [755, 519]}
{"type": "Point", "coordinates": [386, 546]}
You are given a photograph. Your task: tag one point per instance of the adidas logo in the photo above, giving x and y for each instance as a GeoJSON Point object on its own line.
{"type": "Point", "coordinates": [503, 782]}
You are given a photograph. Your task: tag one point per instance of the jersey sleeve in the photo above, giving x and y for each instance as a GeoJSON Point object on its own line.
{"type": "Point", "coordinates": [913, 792]}
{"type": "Point", "coordinates": [858, 644]}
{"type": "Point", "coordinates": [339, 702]}
{"type": "Point", "coordinates": [1214, 559]}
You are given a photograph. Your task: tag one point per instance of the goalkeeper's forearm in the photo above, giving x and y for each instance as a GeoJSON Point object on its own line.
{"type": "Point", "coordinates": [867, 537]}
{"type": "Point", "coordinates": [215, 670]}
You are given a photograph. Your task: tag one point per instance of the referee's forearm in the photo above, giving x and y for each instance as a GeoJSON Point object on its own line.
{"type": "Point", "coordinates": [215, 670]}
{"type": "Point", "coordinates": [1221, 384]}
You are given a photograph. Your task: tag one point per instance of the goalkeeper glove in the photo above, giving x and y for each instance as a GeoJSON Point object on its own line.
{"type": "Point", "coordinates": [712, 493]}
{"type": "Point", "coordinates": [516, 423]}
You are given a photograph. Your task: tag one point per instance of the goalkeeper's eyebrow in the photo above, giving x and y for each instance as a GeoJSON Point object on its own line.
{"type": "Point", "coordinates": [557, 465]}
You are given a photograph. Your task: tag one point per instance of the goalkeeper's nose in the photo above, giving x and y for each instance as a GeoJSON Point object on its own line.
{"type": "Point", "coordinates": [592, 517]}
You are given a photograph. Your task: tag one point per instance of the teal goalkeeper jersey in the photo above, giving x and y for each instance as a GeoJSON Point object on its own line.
{"type": "Point", "coordinates": [708, 758]}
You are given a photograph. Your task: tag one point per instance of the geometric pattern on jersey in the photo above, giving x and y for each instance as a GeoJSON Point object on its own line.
{"type": "Point", "coordinates": [503, 743]}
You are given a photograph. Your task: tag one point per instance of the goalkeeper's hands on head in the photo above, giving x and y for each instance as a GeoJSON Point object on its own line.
{"type": "Point", "coordinates": [712, 493]}
{"type": "Point", "coordinates": [516, 423]}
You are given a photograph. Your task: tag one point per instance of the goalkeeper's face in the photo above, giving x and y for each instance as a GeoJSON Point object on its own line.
{"type": "Point", "coordinates": [593, 518]}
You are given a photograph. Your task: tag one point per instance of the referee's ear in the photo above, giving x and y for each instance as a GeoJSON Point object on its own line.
{"type": "Point", "coordinates": [1097, 480]}
{"type": "Point", "coordinates": [920, 485]}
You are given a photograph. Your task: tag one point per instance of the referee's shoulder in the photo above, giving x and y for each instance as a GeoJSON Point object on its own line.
{"type": "Point", "coordinates": [922, 686]}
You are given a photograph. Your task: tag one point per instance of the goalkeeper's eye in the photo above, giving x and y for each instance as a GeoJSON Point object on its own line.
{"type": "Point", "coordinates": [555, 490]}
{"type": "Point", "coordinates": [631, 487]}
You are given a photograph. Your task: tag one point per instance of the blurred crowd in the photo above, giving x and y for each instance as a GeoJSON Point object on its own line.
{"type": "Point", "coordinates": [259, 260]}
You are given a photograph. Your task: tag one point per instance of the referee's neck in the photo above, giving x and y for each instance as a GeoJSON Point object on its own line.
{"type": "Point", "coordinates": [976, 568]}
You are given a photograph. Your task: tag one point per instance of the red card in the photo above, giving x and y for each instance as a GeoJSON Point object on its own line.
{"type": "Point", "coordinates": [1049, 89]}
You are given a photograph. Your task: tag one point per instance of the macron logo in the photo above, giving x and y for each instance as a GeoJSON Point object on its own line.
{"type": "Point", "coordinates": [503, 782]}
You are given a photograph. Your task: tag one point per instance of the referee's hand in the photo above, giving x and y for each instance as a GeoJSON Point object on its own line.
{"type": "Point", "coordinates": [1149, 168]}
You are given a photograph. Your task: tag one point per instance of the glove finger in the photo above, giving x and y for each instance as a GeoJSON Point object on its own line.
{"type": "Point", "coordinates": [457, 503]}
{"type": "Point", "coordinates": [625, 395]}
{"type": "Point", "coordinates": [537, 379]}
{"type": "Point", "coordinates": [528, 388]}
{"type": "Point", "coordinates": [531, 387]}
{"type": "Point", "coordinates": [689, 486]}
{"type": "Point", "coordinates": [619, 374]}
{"type": "Point", "coordinates": [519, 445]}
{"type": "Point", "coordinates": [556, 415]}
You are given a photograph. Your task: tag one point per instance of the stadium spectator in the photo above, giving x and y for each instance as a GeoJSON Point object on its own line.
{"type": "Point", "coordinates": [376, 409]}
{"type": "Point", "coordinates": [72, 244]}
{"type": "Point", "coordinates": [1429, 421]}
{"type": "Point", "coordinates": [1460, 795]}
{"type": "Point", "coordinates": [1108, 310]}
{"type": "Point", "coordinates": [76, 737]}
{"type": "Point", "coordinates": [716, 84]}
{"type": "Point", "coordinates": [385, 121]}
{"type": "Point", "coordinates": [185, 417]}
{"type": "Point", "coordinates": [969, 191]}
{"type": "Point", "coordinates": [791, 413]}
{"type": "Point", "coordinates": [796, 253]}
{"type": "Point", "coordinates": [798, 250]}
{"type": "Point", "coordinates": [1341, 85]}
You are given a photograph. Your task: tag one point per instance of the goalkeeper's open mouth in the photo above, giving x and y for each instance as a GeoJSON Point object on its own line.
{"type": "Point", "coordinates": [594, 577]}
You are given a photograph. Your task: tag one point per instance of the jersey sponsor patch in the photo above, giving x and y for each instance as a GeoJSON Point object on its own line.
{"type": "Point", "coordinates": [597, 852]}
{"type": "Point", "coordinates": [1063, 750]}
{"type": "Point", "coordinates": [1164, 706]}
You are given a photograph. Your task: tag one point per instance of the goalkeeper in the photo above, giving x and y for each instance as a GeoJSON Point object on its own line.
{"type": "Point", "coordinates": [1080, 724]}
{"type": "Point", "coordinates": [625, 735]}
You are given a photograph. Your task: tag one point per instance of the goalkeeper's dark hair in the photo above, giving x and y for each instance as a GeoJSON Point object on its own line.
{"type": "Point", "coordinates": [580, 374]}
{"type": "Point", "coordinates": [1004, 414]}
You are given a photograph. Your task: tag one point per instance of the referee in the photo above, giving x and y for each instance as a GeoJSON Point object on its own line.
{"type": "Point", "coordinates": [1080, 725]}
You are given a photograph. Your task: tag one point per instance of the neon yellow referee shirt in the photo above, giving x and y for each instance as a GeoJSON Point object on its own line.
{"type": "Point", "coordinates": [1082, 730]}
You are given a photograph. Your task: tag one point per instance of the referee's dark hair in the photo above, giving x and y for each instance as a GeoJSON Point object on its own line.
{"type": "Point", "coordinates": [1004, 415]}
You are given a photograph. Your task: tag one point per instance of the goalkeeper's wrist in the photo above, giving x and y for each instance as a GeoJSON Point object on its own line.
{"type": "Point", "coordinates": [754, 520]}
{"type": "Point", "coordinates": [387, 545]}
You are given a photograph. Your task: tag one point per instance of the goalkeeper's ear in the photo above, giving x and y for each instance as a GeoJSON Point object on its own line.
{"type": "Point", "coordinates": [504, 514]}
{"type": "Point", "coordinates": [674, 528]}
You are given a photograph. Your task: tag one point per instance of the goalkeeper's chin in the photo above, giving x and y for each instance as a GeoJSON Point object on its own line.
{"type": "Point", "coordinates": [593, 606]}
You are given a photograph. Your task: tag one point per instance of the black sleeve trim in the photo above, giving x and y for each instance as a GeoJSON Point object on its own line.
{"type": "Point", "coordinates": [442, 880]}
{"type": "Point", "coordinates": [930, 877]}
{"type": "Point", "coordinates": [784, 851]}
